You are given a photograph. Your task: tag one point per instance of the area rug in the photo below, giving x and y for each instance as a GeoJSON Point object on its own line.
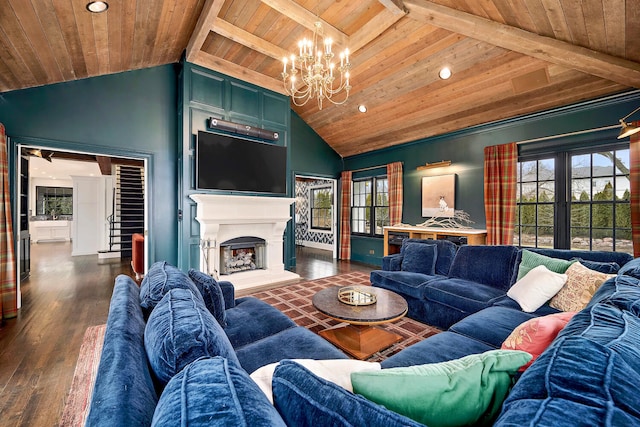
{"type": "Point", "coordinates": [295, 301]}
{"type": "Point", "coordinates": [76, 407]}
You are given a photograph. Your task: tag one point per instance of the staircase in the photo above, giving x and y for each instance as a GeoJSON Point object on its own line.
{"type": "Point", "coordinates": [128, 209]}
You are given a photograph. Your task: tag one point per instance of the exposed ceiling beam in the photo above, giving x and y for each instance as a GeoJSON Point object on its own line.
{"type": "Point", "coordinates": [548, 49]}
{"type": "Point", "coordinates": [209, 13]}
{"type": "Point", "coordinates": [229, 68]}
{"type": "Point", "coordinates": [394, 6]}
{"type": "Point", "coordinates": [303, 17]}
{"type": "Point", "coordinates": [245, 38]}
{"type": "Point", "coordinates": [372, 29]}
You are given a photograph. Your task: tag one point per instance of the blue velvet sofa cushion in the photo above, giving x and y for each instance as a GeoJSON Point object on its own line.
{"type": "Point", "coordinates": [402, 282]}
{"type": "Point", "coordinates": [211, 294]}
{"type": "Point", "coordinates": [464, 295]}
{"type": "Point", "coordinates": [491, 325]}
{"type": "Point", "coordinates": [125, 394]}
{"type": "Point", "coordinates": [292, 343]}
{"type": "Point", "coordinates": [632, 268]}
{"type": "Point", "coordinates": [252, 320]}
{"type": "Point", "coordinates": [437, 348]}
{"type": "Point", "coordinates": [392, 262]}
{"type": "Point", "coordinates": [489, 265]}
{"type": "Point", "coordinates": [304, 399]}
{"type": "Point", "coordinates": [610, 267]}
{"type": "Point", "coordinates": [446, 253]}
{"type": "Point", "coordinates": [419, 258]}
{"type": "Point", "coordinates": [575, 382]}
{"type": "Point", "coordinates": [161, 278]}
{"type": "Point", "coordinates": [508, 302]}
{"type": "Point", "coordinates": [587, 372]}
{"type": "Point", "coordinates": [211, 391]}
{"type": "Point", "coordinates": [609, 326]}
{"type": "Point", "coordinates": [229, 293]}
{"type": "Point", "coordinates": [180, 330]}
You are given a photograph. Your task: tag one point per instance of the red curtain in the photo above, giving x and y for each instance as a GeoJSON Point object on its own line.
{"type": "Point", "coordinates": [500, 180]}
{"type": "Point", "coordinates": [8, 286]}
{"type": "Point", "coordinates": [345, 216]}
{"type": "Point", "coordinates": [634, 181]}
{"type": "Point", "coordinates": [394, 175]}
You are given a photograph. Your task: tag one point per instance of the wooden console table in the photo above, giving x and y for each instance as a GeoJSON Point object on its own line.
{"type": "Point", "coordinates": [393, 236]}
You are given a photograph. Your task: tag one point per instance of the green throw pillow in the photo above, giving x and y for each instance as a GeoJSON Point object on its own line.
{"type": "Point", "coordinates": [459, 392]}
{"type": "Point", "coordinates": [531, 260]}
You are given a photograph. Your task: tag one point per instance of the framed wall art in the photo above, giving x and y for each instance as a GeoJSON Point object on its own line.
{"type": "Point", "coordinates": [438, 195]}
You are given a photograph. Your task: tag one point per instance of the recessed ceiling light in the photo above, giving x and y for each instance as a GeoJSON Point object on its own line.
{"type": "Point", "coordinates": [445, 73]}
{"type": "Point", "coordinates": [97, 6]}
{"type": "Point", "coordinates": [362, 108]}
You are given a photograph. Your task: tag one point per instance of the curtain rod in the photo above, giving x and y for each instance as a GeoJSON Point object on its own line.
{"type": "Point", "coordinates": [580, 132]}
{"type": "Point", "coordinates": [371, 167]}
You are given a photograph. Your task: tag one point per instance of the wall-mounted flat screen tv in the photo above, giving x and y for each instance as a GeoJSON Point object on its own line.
{"type": "Point", "coordinates": [230, 163]}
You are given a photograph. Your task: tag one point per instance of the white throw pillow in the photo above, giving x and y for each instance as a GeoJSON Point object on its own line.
{"type": "Point", "coordinates": [337, 371]}
{"type": "Point", "coordinates": [537, 287]}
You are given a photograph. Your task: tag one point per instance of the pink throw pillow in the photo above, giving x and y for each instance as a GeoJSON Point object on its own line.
{"type": "Point", "coordinates": [535, 335]}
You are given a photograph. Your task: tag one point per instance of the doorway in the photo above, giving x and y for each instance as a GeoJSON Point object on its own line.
{"type": "Point", "coordinates": [79, 199]}
{"type": "Point", "coordinates": [315, 215]}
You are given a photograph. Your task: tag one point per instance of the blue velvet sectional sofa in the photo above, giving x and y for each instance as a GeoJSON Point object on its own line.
{"type": "Point", "coordinates": [144, 348]}
{"type": "Point", "coordinates": [179, 360]}
{"type": "Point", "coordinates": [457, 282]}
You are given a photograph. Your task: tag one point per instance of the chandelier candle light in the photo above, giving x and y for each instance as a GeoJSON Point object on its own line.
{"type": "Point", "coordinates": [316, 67]}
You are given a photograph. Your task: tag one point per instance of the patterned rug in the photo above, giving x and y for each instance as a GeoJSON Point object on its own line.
{"type": "Point", "coordinates": [76, 408]}
{"type": "Point", "coordinates": [295, 301]}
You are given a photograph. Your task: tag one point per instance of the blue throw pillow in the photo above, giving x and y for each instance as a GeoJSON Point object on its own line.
{"type": "Point", "coordinates": [632, 268]}
{"type": "Point", "coordinates": [161, 278]}
{"type": "Point", "coordinates": [601, 267]}
{"type": "Point", "coordinates": [304, 399]}
{"type": "Point", "coordinates": [212, 295]}
{"type": "Point", "coordinates": [211, 391]}
{"type": "Point", "coordinates": [419, 258]}
{"type": "Point", "coordinates": [180, 330]}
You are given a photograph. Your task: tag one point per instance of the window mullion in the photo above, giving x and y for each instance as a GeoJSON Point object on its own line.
{"type": "Point", "coordinates": [562, 230]}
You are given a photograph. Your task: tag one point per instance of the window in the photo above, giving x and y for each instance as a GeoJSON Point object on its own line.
{"type": "Point", "coordinates": [321, 207]}
{"type": "Point", "coordinates": [595, 213]}
{"type": "Point", "coordinates": [54, 200]}
{"type": "Point", "coordinates": [370, 205]}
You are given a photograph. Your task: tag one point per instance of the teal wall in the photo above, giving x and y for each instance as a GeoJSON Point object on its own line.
{"type": "Point", "coordinates": [466, 151]}
{"type": "Point", "coordinates": [310, 155]}
{"type": "Point", "coordinates": [126, 114]}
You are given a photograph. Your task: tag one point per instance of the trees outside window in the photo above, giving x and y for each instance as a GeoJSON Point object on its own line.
{"type": "Point", "coordinates": [575, 200]}
{"type": "Point", "coordinates": [370, 206]}
{"type": "Point", "coordinates": [54, 200]}
{"type": "Point", "coordinates": [321, 207]}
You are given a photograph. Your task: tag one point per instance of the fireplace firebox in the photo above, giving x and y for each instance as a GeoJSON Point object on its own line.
{"type": "Point", "coordinates": [242, 254]}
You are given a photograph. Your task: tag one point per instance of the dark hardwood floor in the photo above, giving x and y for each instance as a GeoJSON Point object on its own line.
{"type": "Point", "coordinates": [62, 297]}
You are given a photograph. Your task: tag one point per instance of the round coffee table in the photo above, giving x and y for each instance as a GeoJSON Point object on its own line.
{"type": "Point", "coordinates": [361, 337]}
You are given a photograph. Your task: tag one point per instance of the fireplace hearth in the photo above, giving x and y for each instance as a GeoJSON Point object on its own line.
{"type": "Point", "coordinates": [242, 254]}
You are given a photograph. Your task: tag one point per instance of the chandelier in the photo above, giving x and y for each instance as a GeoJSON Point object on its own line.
{"type": "Point", "coordinates": [317, 71]}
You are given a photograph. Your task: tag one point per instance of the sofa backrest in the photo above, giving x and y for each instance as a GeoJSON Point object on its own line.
{"type": "Point", "coordinates": [446, 253]}
{"type": "Point", "coordinates": [621, 258]}
{"type": "Point", "coordinates": [600, 256]}
{"type": "Point", "coordinates": [491, 265]}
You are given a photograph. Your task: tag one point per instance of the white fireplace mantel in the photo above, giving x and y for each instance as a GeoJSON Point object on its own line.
{"type": "Point", "coordinates": [225, 217]}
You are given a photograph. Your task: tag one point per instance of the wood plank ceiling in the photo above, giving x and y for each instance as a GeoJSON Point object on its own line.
{"type": "Point", "coordinates": [508, 57]}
